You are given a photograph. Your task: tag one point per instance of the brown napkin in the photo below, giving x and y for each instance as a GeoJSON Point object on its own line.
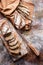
{"type": "Point", "coordinates": [9, 7]}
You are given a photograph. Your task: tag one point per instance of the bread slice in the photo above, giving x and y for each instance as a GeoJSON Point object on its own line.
{"type": "Point", "coordinates": [29, 6]}
{"type": "Point", "coordinates": [17, 46]}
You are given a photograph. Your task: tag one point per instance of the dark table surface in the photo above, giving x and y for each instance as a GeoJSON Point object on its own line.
{"type": "Point", "coordinates": [34, 35]}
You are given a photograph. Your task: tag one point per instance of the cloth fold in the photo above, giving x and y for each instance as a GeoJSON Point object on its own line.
{"type": "Point", "coordinates": [8, 6]}
{"type": "Point", "coordinates": [21, 9]}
